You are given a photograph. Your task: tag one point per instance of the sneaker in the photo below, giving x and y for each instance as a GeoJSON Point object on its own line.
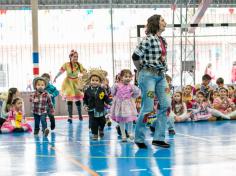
{"type": "Point", "coordinates": [69, 120]}
{"type": "Point", "coordinates": [141, 145]}
{"type": "Point", "coordinates": [161, 144]}
{"type": "Point", "coordinates": [95, 137]}
{"type": "Point", "coordinates": [46, 132]}
{"type": "Point", "coordinates": [101, 133]}
{"type": "Point", "coordinates": [171, 132]}
{"type": "Point", "coordinates": [36, 132]}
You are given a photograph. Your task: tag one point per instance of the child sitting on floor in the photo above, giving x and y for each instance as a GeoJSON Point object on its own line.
{"type": "Point", "coordinates": [16, 121]}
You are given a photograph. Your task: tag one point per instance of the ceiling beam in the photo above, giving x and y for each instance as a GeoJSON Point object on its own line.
{"type": "Point", "coordinates": [98, 4]}
{"type": "Point", "coordinates": [199, 14]}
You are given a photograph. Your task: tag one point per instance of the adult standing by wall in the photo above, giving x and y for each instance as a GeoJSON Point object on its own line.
{"type": "Point", "coordinates": [149, 58]}
{"type": "Point", "coordinates": [209, 72]}
{"type": "Point", "coordinates": [71, 90]}
{"type": "Point", "coordinates": [233, 73]}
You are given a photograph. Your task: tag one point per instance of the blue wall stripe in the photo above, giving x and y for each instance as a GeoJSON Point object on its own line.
{"type": "Point", "coordinates": [35, 57]}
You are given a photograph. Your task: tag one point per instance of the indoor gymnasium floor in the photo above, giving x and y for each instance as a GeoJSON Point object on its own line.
{"type": "Point", "coordinates": [198, 149]}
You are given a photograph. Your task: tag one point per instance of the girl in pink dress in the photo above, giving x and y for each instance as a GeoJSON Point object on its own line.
{"type": "Point", "coordinates": [123, 108]}
{"type": "Point", "coordinates": [224, 104]}
{"type": "Point", "coordinates": [16, 121]}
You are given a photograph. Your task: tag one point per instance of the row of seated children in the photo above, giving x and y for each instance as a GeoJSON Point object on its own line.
{"type": "Point", "coordinates": [220, 97]}
{"type": "Point", "coordinates": [203, 103]}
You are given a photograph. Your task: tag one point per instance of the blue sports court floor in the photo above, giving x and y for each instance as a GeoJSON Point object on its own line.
{"type": "Point", "coordinates": [198, 149]}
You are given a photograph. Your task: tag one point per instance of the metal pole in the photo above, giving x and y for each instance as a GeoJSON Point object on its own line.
{"type": "Point", "coordinates": [35, 55]}
{"type": "Point", "coordinates": [112, 43]}
{"type": "Point", "coordinates": [181, 47]}
{"type": "Point", "coordinates": [130, 60]}
{"type": "Point", "coordinates": [185, 41]}
{"type": "Point", "coordinates": [173, 39]}
{"type": "Point", "coordinates": [194, 49]}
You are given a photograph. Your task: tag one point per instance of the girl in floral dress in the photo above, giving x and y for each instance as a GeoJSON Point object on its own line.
{"type": "Point", "coordinates": [72, 85]}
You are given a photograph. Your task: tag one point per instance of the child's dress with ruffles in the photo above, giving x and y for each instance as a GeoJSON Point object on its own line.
{"type": "Point", "coordinates": [123, 107]}
{"type": "Point", "coordinates": [15, 120]}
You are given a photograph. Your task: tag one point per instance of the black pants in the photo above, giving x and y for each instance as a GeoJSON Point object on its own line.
{"type": "Point", "coordinates": [2, 121]}
{"type": "Point", "coordinates": [52, 121]}
{"type": "Point", "coordinates": [96, 123]}
{"type": "Point", "coordinates": [70, 108]}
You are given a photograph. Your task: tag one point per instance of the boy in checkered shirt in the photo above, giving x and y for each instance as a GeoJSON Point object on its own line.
{"type": "Point", "coordinates": [41, 101]}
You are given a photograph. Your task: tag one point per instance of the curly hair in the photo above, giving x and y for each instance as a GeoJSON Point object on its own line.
{"type": "Point", "coordinates": [153, 23]}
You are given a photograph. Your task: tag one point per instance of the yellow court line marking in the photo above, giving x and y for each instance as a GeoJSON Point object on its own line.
{"type": "Point", "coordinates": [76, 162]}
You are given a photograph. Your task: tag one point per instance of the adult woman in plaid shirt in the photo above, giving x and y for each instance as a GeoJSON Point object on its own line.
{"type": "Point", "coordinates": [149, 58]}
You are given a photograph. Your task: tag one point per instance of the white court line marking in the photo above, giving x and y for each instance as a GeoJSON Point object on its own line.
{"type": "Point", "coordinates": [194, 137]}
{"type": "Point", "coordinates": [170, 168]}
{"type": "Point", "coordinates": [136, 170]}
{"type": "Point", "coordinates": [218, 136]}
{"type": "Point", "coordinates": [105, 171]}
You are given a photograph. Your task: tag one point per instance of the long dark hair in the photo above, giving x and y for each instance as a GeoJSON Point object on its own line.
{"type": "Point", "coordinates": [173, 103]}
{"type": "Point", "coordinates": [153, 23]}
{"type": "Point", "coordinates": [11, 92]}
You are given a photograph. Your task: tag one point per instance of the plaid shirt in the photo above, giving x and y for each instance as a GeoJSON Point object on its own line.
{"type": "Point", "coordinates": [150, 53]}
{"type": "Point", "coordinates": [40, 103]}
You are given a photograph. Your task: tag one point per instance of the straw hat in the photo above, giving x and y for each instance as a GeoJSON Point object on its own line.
{"type": "Point", "coordinates": [94, 72]}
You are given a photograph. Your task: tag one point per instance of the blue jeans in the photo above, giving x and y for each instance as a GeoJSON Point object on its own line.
{"type": "Point", "coordinates": [37, 119]}
{"type": "Point", "coordinates": [152, 84]}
